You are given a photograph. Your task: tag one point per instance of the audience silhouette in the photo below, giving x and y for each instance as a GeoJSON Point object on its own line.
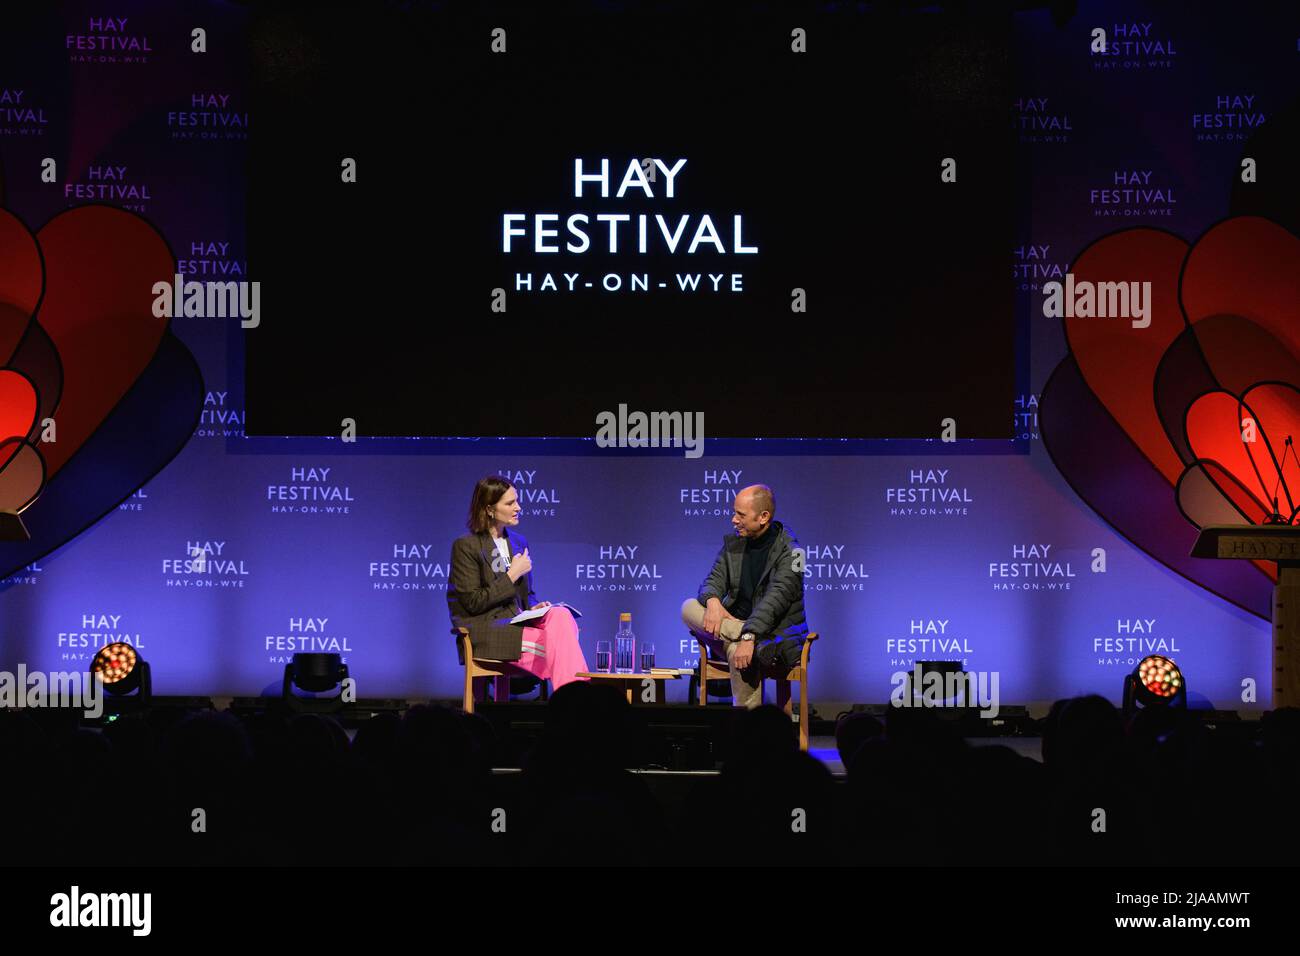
{"type": "Point", "coordinates": [206, 788]}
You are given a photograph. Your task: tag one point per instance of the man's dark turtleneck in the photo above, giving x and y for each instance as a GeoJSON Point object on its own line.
{"type": "Point", "coordinates": [751, 572]}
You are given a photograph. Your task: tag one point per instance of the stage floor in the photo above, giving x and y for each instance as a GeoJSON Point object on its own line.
{"type": "Point", "coordinates": [823, 748]}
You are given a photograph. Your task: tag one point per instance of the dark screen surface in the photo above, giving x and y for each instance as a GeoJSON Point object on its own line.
{"type": "Point", "coordinates": [378, 296]}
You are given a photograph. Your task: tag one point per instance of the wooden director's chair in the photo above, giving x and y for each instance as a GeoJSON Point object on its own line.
{"type": "Point", "coordinates": [711, 669]}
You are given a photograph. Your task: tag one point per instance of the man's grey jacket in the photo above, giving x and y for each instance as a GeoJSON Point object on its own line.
{"type": "Point", "coordinates": [778, 611]}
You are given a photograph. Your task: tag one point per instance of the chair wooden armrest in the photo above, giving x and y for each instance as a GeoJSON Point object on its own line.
{"type": "Point", "coordinates": [807, 646]}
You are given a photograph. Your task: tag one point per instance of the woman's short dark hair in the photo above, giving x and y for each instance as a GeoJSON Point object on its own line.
{"type": "Point", "coordinates": [487, 493]}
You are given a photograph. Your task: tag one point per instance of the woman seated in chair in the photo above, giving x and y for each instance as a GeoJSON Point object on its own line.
{"type": "Point", "coordinates": [492, 581]}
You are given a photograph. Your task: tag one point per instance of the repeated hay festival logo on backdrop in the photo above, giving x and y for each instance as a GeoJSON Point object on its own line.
{"type": "Point", "coordinates": [24, 575]}
{"type": "Point", "coordinates": [714, 496]}
{"type": "Point", "coordinates": [20, 114]}
{"type": "Point", "coordinates": [1131, 46]}
{"type": "Point", "coordinates": [1025, 418]}
{"type": "Point", "coordinates": [110, 184]}
{"type": "Point", "coordinates": [928, 639]}
{"type": "Point", "coordinates": [536, 496]}
{"type": "Point", "coordinates": [625, 233]}
{"type": "Point", "coordinates": [1036, 264]}
{"type": "Point", "coordinates": [929, 493]}
{"type": "Point", "coordinates": [1231, 118]}
{"type": "Point", "coordinates": [1031, 567]}
{"type": "Point", "coordinates": [211, 259]}
{"type": "Point", "coordinates": [205, 565]}
{"type": "Point", "coordinates": [211, 116]}
{"type": "Point", "coordinates": [108, 40]}
{"type": "Point", "coordinates": [96, 630]}
{"type": "Point", "coordinates": [1133, 192]}
{"type": "Point", "coordinates": [139, 498]}
{"type": "Point", "coordinates": [1132, 639]}
{"type": "Point", "coordinates": [410, 567]}
{"type": "Point", "coordinates": [830, 567]}
{"type": "Point", "coordinates": [310, 491]}
{"type": "Point", "coordinates": [221, 417]}
{"type": "Point", "coordinates": [306, 635]}
{"type": "Point", "coordinates": [1039, 120]}
{"type": "Point", "coordinates": [618, 567]}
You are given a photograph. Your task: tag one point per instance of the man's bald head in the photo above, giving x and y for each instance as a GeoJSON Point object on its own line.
{"type": "Point", "coordinates": [760, 499]}
{"type": "Point", "coordinates": [754, 507]}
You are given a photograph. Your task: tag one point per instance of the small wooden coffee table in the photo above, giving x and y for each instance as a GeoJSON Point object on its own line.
{"type": "Point", "coordinates": [634, 684]}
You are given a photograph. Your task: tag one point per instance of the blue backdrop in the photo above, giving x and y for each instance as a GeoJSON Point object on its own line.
{"type": "Point", "coordinates": [917, 550]}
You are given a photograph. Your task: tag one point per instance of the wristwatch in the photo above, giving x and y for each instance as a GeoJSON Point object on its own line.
{"type": "Point", "coordinates": [747, 637]}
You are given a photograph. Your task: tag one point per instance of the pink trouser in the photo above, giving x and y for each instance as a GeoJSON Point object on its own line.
{"type": "Point", "coordinates": [551, 649]}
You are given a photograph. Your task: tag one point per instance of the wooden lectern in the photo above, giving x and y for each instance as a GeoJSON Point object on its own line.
{"type": "Point", "coordinates": [1268, 542]}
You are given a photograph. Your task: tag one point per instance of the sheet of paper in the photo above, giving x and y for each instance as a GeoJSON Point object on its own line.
{"type": "Point", "coordinates": [525, 616]}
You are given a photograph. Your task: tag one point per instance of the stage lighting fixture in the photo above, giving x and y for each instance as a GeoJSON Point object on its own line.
{"type": "Point", "coordinates": [1155, 682]}
{"type": "Point", "coordinates": [122, 670]}
{"type": "Point", "coordinates": [315, 674]}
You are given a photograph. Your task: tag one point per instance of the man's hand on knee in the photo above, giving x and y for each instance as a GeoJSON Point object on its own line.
{"type": "Point", "coordinates": [743, 654]}
{"type": "Point", "coordinates": [714, 615]}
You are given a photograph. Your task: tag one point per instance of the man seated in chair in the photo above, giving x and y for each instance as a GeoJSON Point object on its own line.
{"type": "Point", "coordinates": [750, 607]}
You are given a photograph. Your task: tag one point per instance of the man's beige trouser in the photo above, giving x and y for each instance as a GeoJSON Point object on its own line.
{"type": "Point", "coordinates": [744, 694]}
